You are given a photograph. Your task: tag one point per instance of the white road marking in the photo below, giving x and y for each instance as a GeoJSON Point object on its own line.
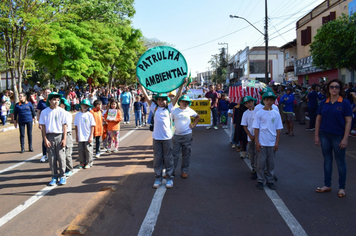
{"type": "Point", "coordinates": [6, 218]}
{"type": "Point", "coordinates": [150, 220]}
{"type": "Point", "coordinates": [20, 163]}
{"type": "Point", "coordinates": [283, 210]}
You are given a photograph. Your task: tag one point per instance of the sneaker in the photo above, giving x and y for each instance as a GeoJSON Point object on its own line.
{"type": "Point", "coordinates": [215, 127]}
{"type": "Point", "coordinates": [139, 126]}
{"type": "Point", "coordinates": [87, 166]}
{"type": "Point", "coordinates": [104, 149]}
{"type": "Point", "coordinates": [253, 175]}
{"type": "Point", "coordinates": [157, 183]}
{"type": "Point", "coordinates": [108, 151]}
{"type": "Point", "coordinates": [259, 185]}
{"type": "Point", "coordinates": [62, 181]}
{"type": "Point", "coordinates": [184, 175]}
{"type": "Point", "coordinates": [233, 146]}
{"type": "Point", "coordinates": [115, 151]}
{"type": "Point", "coordinates": [80, 166]}
{"type": "Point", "coordinates": [97, 155]}
{"type": "Point", "coordinates": [169, 183]}
{"type": "Point", "coordinates": [125, 122]}
{"type": "Point", "coordinates": [69, 173]}
{"type": "Point", "coordinates": [44, 159]}
{"type": "Point", "coordinates": [271, 186]}
{"type": "Point", "coordinates": [53, 181]}
{"type": "Point", "coordinates": [136, 127]}
{"type": "Point", "coordinates": [208, 127]}
{"type": "Point", "coordinates": [128, 122]}
{"type": "Point", "coordinates": [310, 129]}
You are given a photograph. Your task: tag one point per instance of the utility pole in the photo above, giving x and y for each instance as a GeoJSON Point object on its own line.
{"type": "Point", "coordinates": [266, 42]}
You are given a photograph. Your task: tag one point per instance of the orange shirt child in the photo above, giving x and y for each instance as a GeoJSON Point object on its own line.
{"type": "Point", "coordinates": [114, 125]}
{"type": "Point", "coordinates": [98, 129]}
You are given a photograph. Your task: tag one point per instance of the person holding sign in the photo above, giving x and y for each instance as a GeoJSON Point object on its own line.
{"type": "Point", "coordinates": [162, 135]}
{"type": "Point", "coordinates": [183, 133]}
{"type": "Point", "coordinates": [113, 117]}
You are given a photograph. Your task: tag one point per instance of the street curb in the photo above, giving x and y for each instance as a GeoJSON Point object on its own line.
{"type": "Point", "coordinates": [7, 129]}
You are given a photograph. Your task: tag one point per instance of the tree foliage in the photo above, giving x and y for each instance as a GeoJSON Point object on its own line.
{"type": "Point", "coordinates": [153, 42]}
{"type": "Point", "coordinates": [219, 63]}
{"type": "Point", "coordinates": [20, 21]}
{"type": "Point", "coordinates": [334, 44]}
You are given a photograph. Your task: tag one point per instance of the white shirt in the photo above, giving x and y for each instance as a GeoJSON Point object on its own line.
{"type": "Point", "coordinates": [181, 118]}
{"type": "Point", "coordinates": [247, 120]}
{"type": "Point", "coordinates": [53, 119]}
{"type": "Point", "coordinates": [260, 106]}
{"type": "Point", "coordinates": [3, 110]}
{"type": "Point", "coordinates": [69, 121]}
{"type": "Point", "coordinates": [268, 122]}
{"type": "Point", "coordinates": [84, 122]}
{"type": "Point", "coordinates": [162, 122]}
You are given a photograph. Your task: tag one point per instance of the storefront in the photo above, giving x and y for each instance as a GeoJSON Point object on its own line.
{"type": "Point", "coordinates": [309, 74]}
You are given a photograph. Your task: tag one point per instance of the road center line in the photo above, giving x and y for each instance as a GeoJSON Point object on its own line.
{"type": "Point", "coordinates": [150, 220]}
{"type": "Point", "coordinates": [6, 218]}
{"type": "Point", "coordinates": [283, 210]}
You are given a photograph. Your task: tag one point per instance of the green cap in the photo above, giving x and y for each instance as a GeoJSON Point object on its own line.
{"type": "Point", "coordinates": [185, 98]}
{"type": "Point", "coordinates": [265, 90]}
{"type": "Point", "coordinates": [66, 103]}
{"type": "Point", "coordinates": [268, 95]}
{"type": "Point", "coordinates": [248, 98]}
{"type": "Point", "coordinates": [162, 95]}
{"type": "Point", "coordinates": [86, 102]}
{"type": "Point", "coordinates": [53, 94]}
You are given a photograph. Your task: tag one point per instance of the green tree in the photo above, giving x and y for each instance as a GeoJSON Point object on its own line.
{"type": "Point", "coordinates": [334, 44]}
{"type": "Point", "coordinates": [20, 21]}
{"type": "Point", "coordinates": [153, 42]}
{"type": "Point", "coordinates": [218, 63]}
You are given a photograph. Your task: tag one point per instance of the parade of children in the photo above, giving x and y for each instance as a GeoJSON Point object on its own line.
{"type": "Point", "coordinates": [254, 126]}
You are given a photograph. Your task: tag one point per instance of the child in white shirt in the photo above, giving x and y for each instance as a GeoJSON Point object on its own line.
{"type": "Point", "coordinates": [246, 122]}
{"type": "Point", "coordinates": [183, 133]}
{"type": "Point", "coordinates": [84, 128]}
{"type": "Point", "coordinates": [162, 135]}
{"type": "Point", "coordinates": [53, 120]}
{"type": "Point", "coordinates": [69, 144]}
{"type": "Point", "coordinates": [267, 125]}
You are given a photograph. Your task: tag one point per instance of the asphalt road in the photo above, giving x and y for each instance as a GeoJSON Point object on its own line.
{"type": "Point", "coordinates": [218, 198]}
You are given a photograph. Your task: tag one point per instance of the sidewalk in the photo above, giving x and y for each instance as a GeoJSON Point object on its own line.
{"type": "Point", "coordinates": [9, 126]}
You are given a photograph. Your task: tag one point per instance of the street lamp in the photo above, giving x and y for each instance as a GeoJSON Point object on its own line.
{"type": "Point", "coordinates": [264, 34]}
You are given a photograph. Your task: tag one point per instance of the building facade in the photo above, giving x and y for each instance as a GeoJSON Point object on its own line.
{"type": "Point", "coordinates": [250, 64]}
{"type": "Point", "coordinates": [306, 30]}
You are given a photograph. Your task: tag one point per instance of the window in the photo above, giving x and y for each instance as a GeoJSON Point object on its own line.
{"type": "Point", "coordinates": [330, 17]}
{"type": "Point", "coordinates": [306, 36]}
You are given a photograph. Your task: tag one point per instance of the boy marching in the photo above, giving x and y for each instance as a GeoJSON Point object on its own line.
{"type": "Point", "coordinates": [53, 121]}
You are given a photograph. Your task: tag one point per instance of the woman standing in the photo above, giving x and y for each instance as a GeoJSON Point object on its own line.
{"type": "Point", "coordinates": [332, 129]}
{"type": "Point", "coordinates": [126, 98]}
{"type": "Point", "coordinates": [24, 115]}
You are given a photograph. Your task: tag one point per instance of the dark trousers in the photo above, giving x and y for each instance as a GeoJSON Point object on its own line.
{"type": "Point", "coordinates": [214, 110]}
{"type": "Point", "coordinates": [97, 144]}
{"type": "Point", "coordinates": [29, 133]}
{"type": "Point", "coordinates": [312, 116]}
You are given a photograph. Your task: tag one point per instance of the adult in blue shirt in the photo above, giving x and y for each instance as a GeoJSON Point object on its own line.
{"type": "Point", "coordinates": [332, 129]}
{"type": "Point", "coordinates": [288, 106]}
{"type": "Point", "coordinates": [126, 98]}
{"type": "Point", "coordinates": [24, 115]}
{"type": "Point", "coordinates": [312, 106]}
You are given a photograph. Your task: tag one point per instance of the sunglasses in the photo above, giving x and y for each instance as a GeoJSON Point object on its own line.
{"type": "Point", "coordinates": [334, 87]}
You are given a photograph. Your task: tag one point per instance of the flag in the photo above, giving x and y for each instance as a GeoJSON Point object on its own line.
{"type": "Point", "coordinates": [201, 80]}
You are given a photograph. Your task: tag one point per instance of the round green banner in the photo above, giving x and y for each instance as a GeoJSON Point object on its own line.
{"type": "Point", "coordinates": [162, 69]}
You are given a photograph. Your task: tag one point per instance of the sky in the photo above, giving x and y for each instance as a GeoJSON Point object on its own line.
{"type": "Point", "coordinates": [196, 27]}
